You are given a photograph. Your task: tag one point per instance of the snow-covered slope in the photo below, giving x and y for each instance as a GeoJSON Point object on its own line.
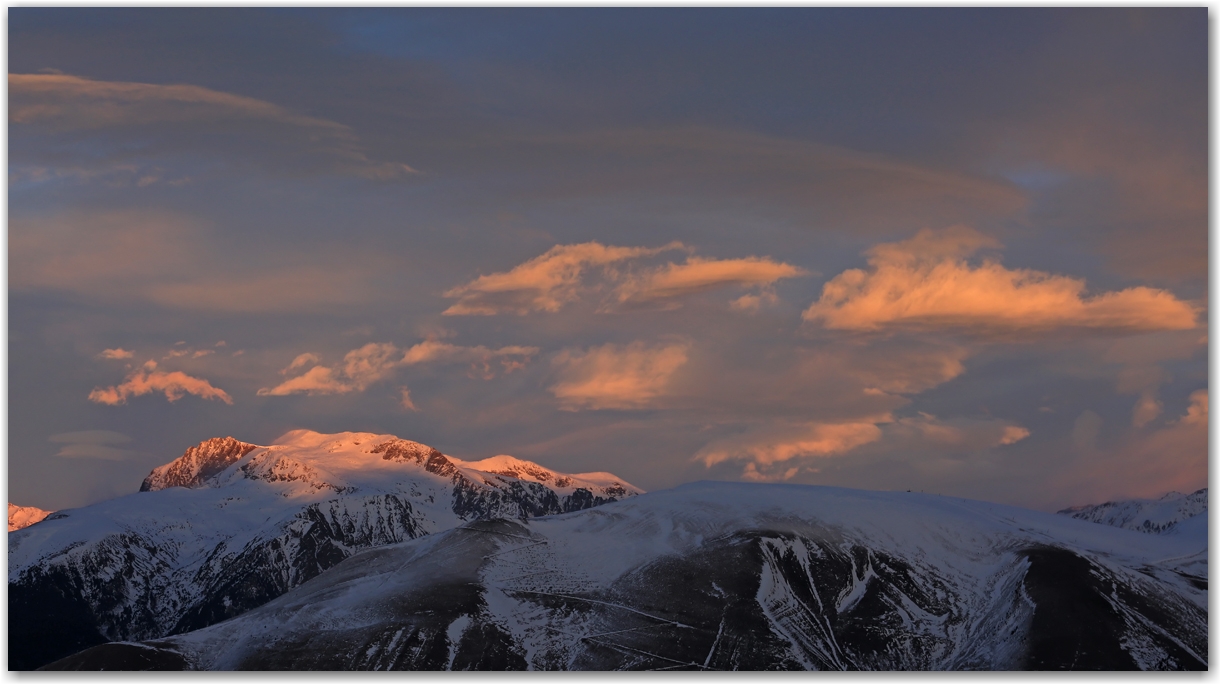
{"type": "Point", "coordinates": [24, 516]}
{"type": "Point", "coordinates": [1155, 516]}
{"type": "Point", "coordinates": [732, 576]}
{"type": "Point", "coordinates": [230, 526]}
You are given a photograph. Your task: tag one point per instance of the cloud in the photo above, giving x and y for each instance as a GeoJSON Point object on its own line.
{"type": "Point", "coordinates": [406, 402]}
{"type": "Point", "coordinates": [924, 283]}
{"type": "Point", "coordinates": [1141, 464]}
{"type": "Point", "coordinates": [92, 444]}
{"type": "Point", "coordinates": [779, 450]}
{"type": "Point", "coordinates": [301, 360]}
{"type": "Point", "coordinates": [959, 435]}
{"type": "Point", "coordinates": [119, 353]}
{"type": "Point", "coordinates": [549, 281]}
{"type": "Point", "coordinates": [361, 368]}
{"type": "Point", "coordinates": [814, 184]}
{"type": "Point", "coordinates": [185, 117]}
{"type": "Point", "coordinates": [699, 275]}
{"type": "Point", "coordinates": [785, 443]}
{"type": "Point", "coordinates": [375, 361]}
{"type": "Point", "coordinates": [147, 379]}
{"type": "Point", "coordinates": [171, 260]}
{"type": "Point", "coordinates": [544, 283]}
{"type": "Point", "coordinates": [1196, 413]}
{"type": "Point", "coordinates": [616, 377]}
{"type": "Point", "coordinates": [480, 358]}
{"type": "Point", "coordinates": [317, 380]}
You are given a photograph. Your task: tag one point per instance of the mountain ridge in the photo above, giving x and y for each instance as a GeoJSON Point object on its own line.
{"type": "Point", "coordinates": [230, 525]}
{"type": "Point", "coordinates": [1152, 516]}
{"type": "Point", "coordinates": [718, 575]}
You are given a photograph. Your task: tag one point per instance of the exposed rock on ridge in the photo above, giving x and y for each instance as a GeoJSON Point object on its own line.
{"type": "Point", "coordinates": [199, 463]}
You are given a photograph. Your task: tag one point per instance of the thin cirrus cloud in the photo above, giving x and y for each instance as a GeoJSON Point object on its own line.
{"type": "Point", "coordinates": [147, 379]}
{"type": "Point", "coordinates": [611, 376]}
{"type": "Point", "coordinates": [925, 283]}
{"type": "Point", "coordinates": [375, 361]}
{"type": "Point", "coordinates": [95, 444]}
{"type": "Point", "coordinates": [555, 278]}
{"type": "Point", "coordinates": [62, 104]}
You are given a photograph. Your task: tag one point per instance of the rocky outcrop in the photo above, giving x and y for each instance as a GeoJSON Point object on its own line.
{"type": "Point", "coordinates": [199, 463]}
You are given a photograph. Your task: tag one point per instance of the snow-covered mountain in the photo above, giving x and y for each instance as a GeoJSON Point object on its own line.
{"type": "Point", "coordinates": [732, 576]}
{"type": "Point", "coordinates": [1155, 516]}
{"type": "Point", "coordinates": [24, 516]}
{"type": "Point", "coordinates": [230, 526]}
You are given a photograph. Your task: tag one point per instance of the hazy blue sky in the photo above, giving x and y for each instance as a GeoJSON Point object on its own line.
{"type": "Point", "coordinates": [952, 250]}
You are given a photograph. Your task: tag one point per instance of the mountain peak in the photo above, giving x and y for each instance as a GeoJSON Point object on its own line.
{"type": "Point", "coordinates": [200, 462]}
{"type": "Point", "coordinates": [23, 516]}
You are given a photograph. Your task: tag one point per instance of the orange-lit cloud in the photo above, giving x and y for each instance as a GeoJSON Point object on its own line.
{"type": "Point", "coordinates": [375, 361]}
{"type": "Point", "coordinates": [779, 450]}
{"type": "Point", "coordinates": [317, 380]}
{"type": "Point", "coordinates": [544, 283]}
{"type": "Point", "coordinates": [361, 368]}
{"type": "Point", "coordinates": [147, 379]}
{"type": "Point", "coordinates": [480, 358]}
{"type": "Point", "coordinates": [61, 102]}
{"type": "Point", "coordinates": [783, 443]}
{"type": "Point", "coordinates": [698, 275]}
{"type": "Point", "coordinates": [925, 283]}
{"type": "Point", "coordinates": [300, 361]}
{"type": "Point", "coordinates": [119, 353]}
{"type": "Point", "coordinates": [616, 377]}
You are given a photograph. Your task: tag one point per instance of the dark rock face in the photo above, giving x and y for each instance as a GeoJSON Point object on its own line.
{"type": "Point", "coordinates": [199, 463]}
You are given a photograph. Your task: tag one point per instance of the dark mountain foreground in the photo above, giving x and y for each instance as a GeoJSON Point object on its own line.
{"type": "Point", "coordinates": [728, 576]}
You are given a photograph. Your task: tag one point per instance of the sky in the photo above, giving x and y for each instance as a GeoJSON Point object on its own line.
{"type": "Point", "coordinates": [959, 251]}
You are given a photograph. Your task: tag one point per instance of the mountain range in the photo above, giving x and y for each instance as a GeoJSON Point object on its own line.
{"type": "Point", "coordinates": [229, 526]}
{"type": "Point", "coordinates": [356, 551]}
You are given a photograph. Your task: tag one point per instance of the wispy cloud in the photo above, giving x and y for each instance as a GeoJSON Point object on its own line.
{"type": "Point", "coordinates": [62, 103]}
{"type": "Point", "coordinates": [616, 377]}
{"type": "Point", "coordinates": [925, 283]}
{"type": "Point", "coordinates": [146, 380]}
{"type": "Point", "coordinates": [558, 277]}
{"type": "Point", "coordinates": [699, 275]}
{"type": "Point", "coordinates": [786, 442]}
{"type": "Point", "coordinates": [544, 283]}
{"type": "Point", "coordinates": [166, 259]}
{"type": "Point", "coordinates": [375, 361]}
{"type": "Point", "coordinates": [92, 444]}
